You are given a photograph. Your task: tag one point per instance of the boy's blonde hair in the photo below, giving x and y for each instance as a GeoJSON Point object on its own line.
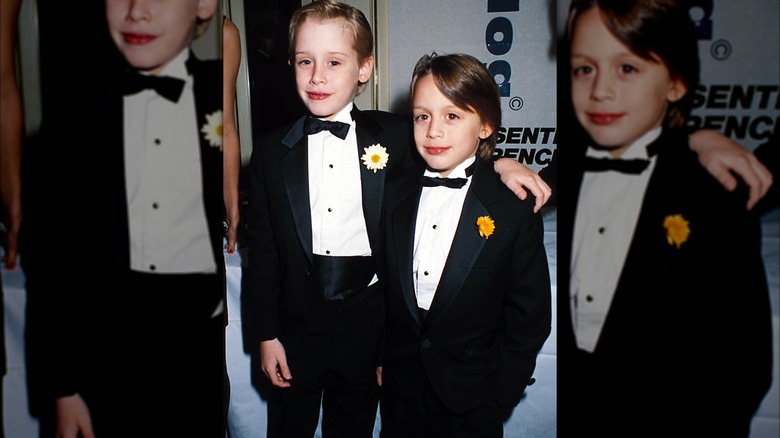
{"type": "Point", "coordinates": [363, 38]}
{"type": "Point", "coordinates": [467, 83]}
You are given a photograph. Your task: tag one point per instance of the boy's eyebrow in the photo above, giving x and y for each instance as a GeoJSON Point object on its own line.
{"type": "Point", "coordinates": [303, 52]}
{"type": "Point", "coordinates": [448, 108]}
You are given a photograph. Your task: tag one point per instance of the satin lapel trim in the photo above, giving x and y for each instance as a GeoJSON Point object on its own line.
{"type": "Point", "coordinates": [649, 255]}
{"type": "Point", "coordinates": [207, 102]}
{"type": "Point", "coordinates": [372, 184]}
{"type": "Point", "coordinates": [466, 247]}
{"type": "Point", "coordinates": [295, 173]}
{"type": "Point", "coordinates": [403, 220]}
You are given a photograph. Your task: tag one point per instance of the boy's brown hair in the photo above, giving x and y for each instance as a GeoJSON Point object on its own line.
{"type": "Point", "coordinates": [657, 31]}
{"type": "Point", "coordinates": [467, 83]}
{"type": "Point", "coordinates": [363, 38]}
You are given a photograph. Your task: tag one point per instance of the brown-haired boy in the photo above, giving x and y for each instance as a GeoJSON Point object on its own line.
{"type": "Point", "coordinates": [314, 302]}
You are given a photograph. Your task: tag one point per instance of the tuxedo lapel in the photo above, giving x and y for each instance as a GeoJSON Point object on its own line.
{"type": "Point", "coordinates": [403, 225]}
{"type": "Point", "coordinates": [208, 106]}
{"type": "Point", "coordinates": [649, 254]}
{"type": "Point", "coordinates": [110, 117]}
{"type": "Point", "coordinates": [295, 173]}
{"type": "Point", "coordinates": [466, 245]}
{"type": "Point", "coordinates": [372, 183]}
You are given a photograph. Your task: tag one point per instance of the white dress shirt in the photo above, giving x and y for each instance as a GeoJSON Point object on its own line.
{"type": "Point", "coordinates": [607, 213]}
{"type": "Point", "coordinates": [438, 215]}
{"type": "Point", "coordinates": [167, 219]}
{"type": "Point", "coordinates": [335, 195]}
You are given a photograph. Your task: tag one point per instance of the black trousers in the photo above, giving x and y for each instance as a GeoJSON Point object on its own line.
{"type": "Point", "coordinates": [415, 411]}
{"type": "Point", "coordinates": [333, 365]}
{"type": "Point", "coordinates": [162, 372]}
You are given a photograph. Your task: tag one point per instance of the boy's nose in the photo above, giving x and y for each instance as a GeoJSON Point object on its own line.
{"type": "Point", "coordinates": [138, 10]}
{"type": "Point", "coordinates": [317, 75]}
{"type": "Point", "coordinates": [434, 130]}
{"type": "Point", "coordinates": [602, 88]}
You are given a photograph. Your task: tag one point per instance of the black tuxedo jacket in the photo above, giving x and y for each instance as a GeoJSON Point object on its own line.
{"type": "Point", "coordinates": [491, 312]}
{"type": "Point", "coordinates": [687, 343]}
{"type": "Point", "coordinates": [278, 302]}
{"type": "Point", "coordinates": [86, 238]}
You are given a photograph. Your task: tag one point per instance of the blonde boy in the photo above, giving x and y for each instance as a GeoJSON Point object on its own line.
{"type": "Point", "coordinates": [138, 348]}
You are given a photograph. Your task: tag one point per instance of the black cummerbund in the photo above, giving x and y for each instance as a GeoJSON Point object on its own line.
{"type": "Point", "coordinates": [342, 277]}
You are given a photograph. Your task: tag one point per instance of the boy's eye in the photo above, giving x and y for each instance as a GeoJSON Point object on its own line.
{"type": "Point", "coordinates": [334, 63]}
{"type": "Point", "coordinates": [582, 70]}
{"type": "Point", "coordinates": [304, 61]}
{"type": "Point", "coordinates": [452, 116]}
{"type": "Point", "coordinates": [626, 68]}
{"type": "Point", "coordinates": [421, 117]}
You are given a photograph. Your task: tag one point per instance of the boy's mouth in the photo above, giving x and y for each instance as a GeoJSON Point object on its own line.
{"type": "Point", "coordinates": [604, 118]}
{"type": "Point", "coordinates": [138, 38]}
{"type": "Point", "coordinates": [317, 96]}
{"type": "Point", "coordinates": [436, 150]}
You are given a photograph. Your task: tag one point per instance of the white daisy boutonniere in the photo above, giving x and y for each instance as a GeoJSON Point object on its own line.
{"type": "Point", "coordinates": [486, 226]}
{"type": "Point", "coordinates": [677, 229]}
{"type": "Point", "coordinates": [212, 129]}
{"type": "Point", "coordinates": [376, 157]}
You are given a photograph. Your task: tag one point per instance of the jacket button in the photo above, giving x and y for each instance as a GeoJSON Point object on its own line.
{"type": "Point", "coordinates": [307, 273]}
{"type": "Point", "coordinates": [426, 344]}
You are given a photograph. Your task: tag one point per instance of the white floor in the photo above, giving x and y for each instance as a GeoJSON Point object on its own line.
{"type": "Point", "coordinates": [534, 417]}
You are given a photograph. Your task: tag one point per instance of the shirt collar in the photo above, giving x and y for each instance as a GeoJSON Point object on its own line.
{"type": "Point", "coordinates": [176, 67]}
{"type": "Point", "coordinates": [344, 115]}
{"type": "Point", "coordinates": [458, 172]}
{"type": "Point", "coordinates": [638, 148]}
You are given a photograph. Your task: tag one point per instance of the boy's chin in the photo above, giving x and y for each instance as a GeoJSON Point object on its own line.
{"type": "Point", "coordinates": [150, 68]}
{"type": "Point", "coordinates": [145, 63]}
{"type": "Point", "coordinates": [608, 145]}
{"type": "Point", "coordinates": [605, 141]}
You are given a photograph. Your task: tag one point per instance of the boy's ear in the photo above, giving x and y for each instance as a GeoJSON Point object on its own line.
{"type": "Point", "coordinates": [206, 8]}
{"type": "Point", "coordinates": [365, 69]}
{"type": "Point", "coordinates": [677, 89]}
{"type": "Point", "coordinates": [485, 131]}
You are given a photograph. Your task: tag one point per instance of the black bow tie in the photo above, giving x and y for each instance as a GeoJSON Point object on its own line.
{"type": "Point", "coordinates": [313, 125]}
{"type": "Point", "coordinates": [453, 183]}
{"type": "Point", "coordinates": [634, 166]}
{"type": "Point", "coordinates": [166, 86]}
{"type": "Point", "coordinates": [435, 181]}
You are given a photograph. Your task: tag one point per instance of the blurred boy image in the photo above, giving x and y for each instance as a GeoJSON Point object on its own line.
{"type": "Point", "coordinates": [136, 347]}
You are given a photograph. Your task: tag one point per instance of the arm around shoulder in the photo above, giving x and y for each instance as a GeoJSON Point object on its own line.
{"type": "Point", "coordinates": [724, 158]}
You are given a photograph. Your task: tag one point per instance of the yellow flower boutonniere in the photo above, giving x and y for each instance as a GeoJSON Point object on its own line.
{"type": "Point", "coordinates": [376, 157]}
{"type": "Point", "coordinates": [486, 226]}
{"type": "Point", "coordinates": [212, 129]}
{"type": "Point", "coordinates": [677, 229]}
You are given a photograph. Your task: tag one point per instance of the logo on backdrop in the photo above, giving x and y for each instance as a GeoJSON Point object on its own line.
{"type": "Point", "coordinates": [498, 41]}
{"type": "Point", "coordinates": [538, 137]}
{"type": "Point", "coordinates": [759, 99]}
{"type": "Point", "coordinates": [742, 111]}
{"type": "Point", "coordinates": [499, 35]}
{"type": "Point", "coordinates": [701, 14]}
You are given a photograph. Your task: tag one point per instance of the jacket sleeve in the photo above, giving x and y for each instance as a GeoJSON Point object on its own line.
{"type": "Point", "coordinates": [527, 311]}
{"type": "Point", "coordinates": [261, 294]}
